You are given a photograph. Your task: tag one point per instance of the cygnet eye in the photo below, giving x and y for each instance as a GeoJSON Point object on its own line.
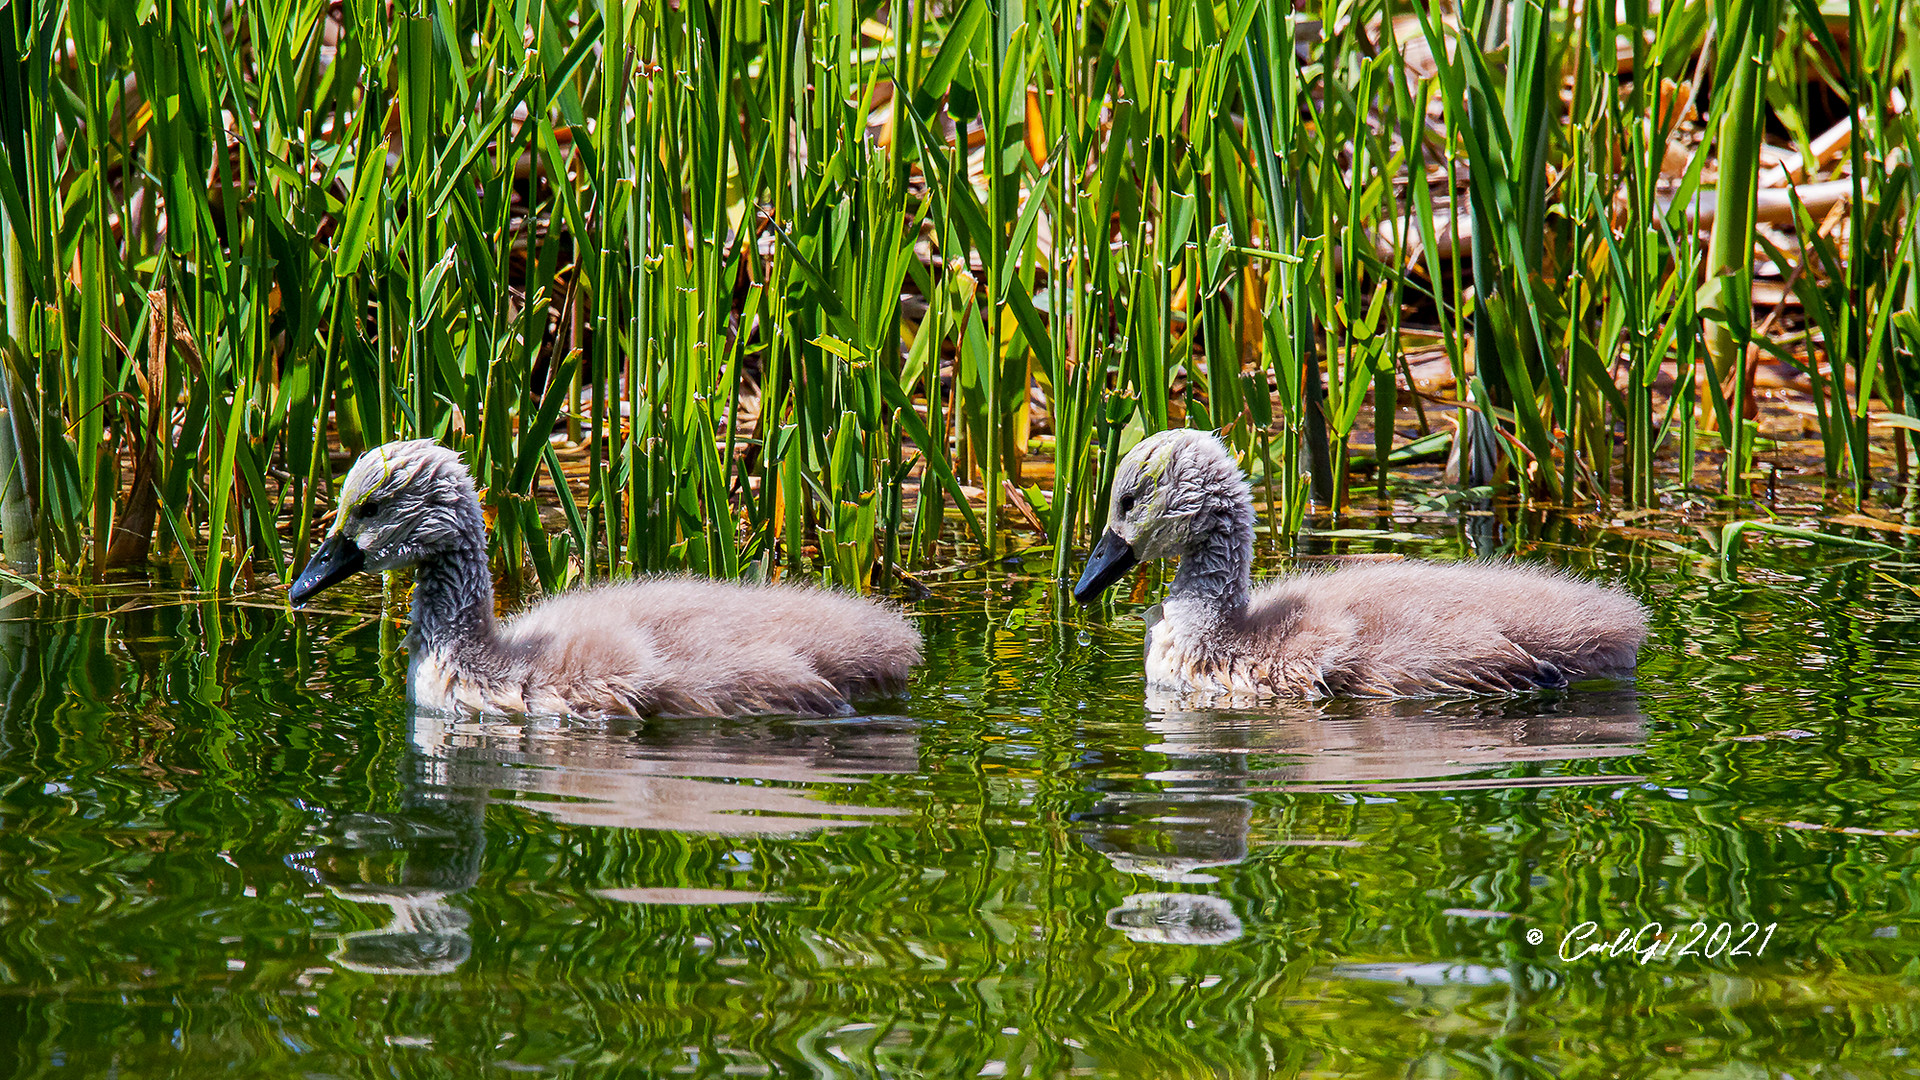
{"type": "Point", "coordinates": [1126, 503]}
{"type": "Point", "coordinates": [370, 508]}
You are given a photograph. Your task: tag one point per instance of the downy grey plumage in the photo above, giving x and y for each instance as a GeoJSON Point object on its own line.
{"type": "Point", "coordinates": [1400, 629]}
{"type": "Point", "coordinates": [669, 645]}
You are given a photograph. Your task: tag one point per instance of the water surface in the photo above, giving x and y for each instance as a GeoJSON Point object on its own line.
{"type": "Point", "coordinates": [228, 848]}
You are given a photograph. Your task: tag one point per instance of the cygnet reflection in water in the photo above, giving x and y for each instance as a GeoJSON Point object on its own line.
{"type": "Point", "coordinates": [1176, 919]}
{"type": "Point", "coordinates": [426, 936]}
{"type": "Point", "coordinates": [1397, 744]}
{"type": "Point", "coordinates": [413, 860]}
{"type": "Point", "coordinates": [635, 774]}
{"type": "Point", "coordinates": [627, 774]}
{"type": "Point", "coordinates": [1202, 820]}
{"type": "Point", "coordinates": [1167, 838]}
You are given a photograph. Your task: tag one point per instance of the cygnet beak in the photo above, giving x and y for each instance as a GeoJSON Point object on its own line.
{"type": "Point", "coordinates": [339, 558]}
{"type": "Point", "coordinates": [1111, 558]}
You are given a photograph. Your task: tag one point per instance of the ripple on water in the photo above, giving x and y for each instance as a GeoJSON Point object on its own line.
{"type": "Point", "coordinates": [226, 843]}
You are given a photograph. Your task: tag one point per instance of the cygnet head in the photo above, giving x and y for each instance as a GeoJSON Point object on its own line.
{"type": "Point", "coordinates": [401, 504]}
{"type": "Point", "coordinates": [1170, 491]}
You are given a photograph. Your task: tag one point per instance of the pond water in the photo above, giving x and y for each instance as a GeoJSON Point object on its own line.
{"type": "Point", "coordinates": [228, 848]}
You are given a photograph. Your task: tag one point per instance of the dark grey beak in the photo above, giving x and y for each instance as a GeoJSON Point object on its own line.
{"type": "Point", "coordinates": [1111, 558]}
{"type": "Point", "coordinates": [338, 559]}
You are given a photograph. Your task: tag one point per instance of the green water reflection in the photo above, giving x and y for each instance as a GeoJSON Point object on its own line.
{"type": "Point", "coordinates": [227, 848]}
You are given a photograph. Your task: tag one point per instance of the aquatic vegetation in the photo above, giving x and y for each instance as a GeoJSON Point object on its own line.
{"type": "Point", "coordinates": [821, 287]}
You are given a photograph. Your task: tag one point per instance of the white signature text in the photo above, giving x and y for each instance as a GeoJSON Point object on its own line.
{"type": "Point", "coordinates": [1653, 942]}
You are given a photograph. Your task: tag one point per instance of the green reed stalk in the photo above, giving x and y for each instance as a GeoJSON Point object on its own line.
{"type": "Point", "coordinates": [644, 208]}
{"type": "Point", "coordinates": [1876, 204]}
{"type": "Point", "coordinates": [1744, 35]}
{"type": "Point", "coordinates": [18, 527]}
{"type": "Point", "coordinates": [1271, 91]}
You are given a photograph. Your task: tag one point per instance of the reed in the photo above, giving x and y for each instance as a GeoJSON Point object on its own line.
{"type": "Point", "coordinates": [809, 286]}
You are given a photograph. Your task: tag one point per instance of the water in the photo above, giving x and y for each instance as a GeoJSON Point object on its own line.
{"type": "Point", "coordinates": [227, 848]}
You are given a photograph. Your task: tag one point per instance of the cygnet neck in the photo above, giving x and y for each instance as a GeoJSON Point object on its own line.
{"type": "Point", "coordinates": [453, 590]}
{"type": "Point", "coordinates": [1216, 569]}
